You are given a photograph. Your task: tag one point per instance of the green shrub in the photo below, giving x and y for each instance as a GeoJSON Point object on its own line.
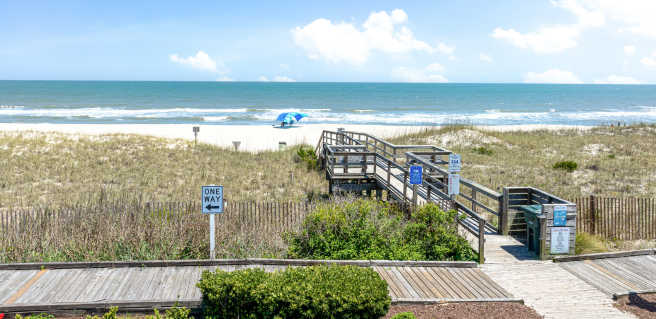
{"type": "Point", "coordinates": [483, 151]}
{"type": "Point", "coordinates": [230, 294]}
{"type": "Point", "coordinates": [39, 316]}
{"type": "Point", "coordinates": [367, 229]}
{"type": "Point", "coordinates": [404, 315]}
{"type": "Point", "coordinates": [611, 156]}
{"type": "Point", "coordinates": [307, 155]}
{"type": "Point", "coordinates": [304, 292]}
{"type": "Point", "coordinates": [566, 165]}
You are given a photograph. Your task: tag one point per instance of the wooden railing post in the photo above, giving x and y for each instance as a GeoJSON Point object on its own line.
{"type": "Point", "coordinates": [345, 163]}
{"type": "Point", "coordinates": [405, 185]}
{"type": "Point", "coordinates": [375, 164]}
{"type": "Point", "coordinates": [481, 241]}
{"type": "Point", "coordinates": [474, 207]}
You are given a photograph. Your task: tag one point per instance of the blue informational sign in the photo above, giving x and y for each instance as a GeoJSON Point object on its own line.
{"type": "Point", "coordinates": [560, 216]}
{"type": "Point", "coordinates": [415, 175]}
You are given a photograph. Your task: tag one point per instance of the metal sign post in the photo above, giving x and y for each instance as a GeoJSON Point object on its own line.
{"type": "Point", "coordinates": [415, 181]}
{"type": "Point", "coordinates": [212, 203]}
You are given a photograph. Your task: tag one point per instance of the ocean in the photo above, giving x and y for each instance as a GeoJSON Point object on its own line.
{"type": "Point", "coordinates": [257, 103]}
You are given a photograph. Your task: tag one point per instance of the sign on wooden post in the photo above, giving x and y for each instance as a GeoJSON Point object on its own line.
{"type": "Point", "coordinates": [212, 203]}
{"type": "Point", "coordinates": [196, 130]}
{"type": "Point", "coordinates": [560, 240]}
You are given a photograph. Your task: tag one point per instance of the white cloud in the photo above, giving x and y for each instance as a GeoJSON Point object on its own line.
{"type": "Point", "coordinates": [262, 79]}
{"type": "Point", "coordinates": [454, 58]}
{"type": "Point", "coordinates": [225, 79]}
{"type": "Point", "coordinates": [322, 39]}
{"type": "Point", "coordinates": [420, 76]}
{"type": "Point", "coordinates": [554, 39]}
{"type": "Point", "coordinates": [648, 62]}
{"type": "Point", "coordinates": [640, 15]}
{"type": "Point", "coordinates": [202, 61]}
{"type": "Point", "coordinates": [445, 48]}
{"type": "Point", "coordinates": [624, 65]}
{"type": "Point", "coordinates": [485, 57]}
{"type": "Point", "coordinates": [435, 67]}
{"type": "Point", "coordinates": [282, 79]}
{"type": "Point", "coordinates": [614, 79]}
{"type": "Point", "coordinates": [629, 49]}
{"type": "Point", "coordinates": [552, 76]}
{"type": "Point", "coordinates": [284, 66]}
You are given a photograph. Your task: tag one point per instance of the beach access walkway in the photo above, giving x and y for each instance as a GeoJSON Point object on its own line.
{"type": "Point", "coordinates": [141, 286]}
{"type": "Point", "coordinates": [548, 287]}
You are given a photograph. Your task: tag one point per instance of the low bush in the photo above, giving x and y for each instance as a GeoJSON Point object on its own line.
{"type": "Point", "coordinates": [483, 151]}
{"type": "Point", "coordinates": [566, 165]}
{"type": "Point", "coordinates": [307, 155]}
{"type": "Point", "coordinates": [305, 292]}
{"type": "Point", "coordinates": [404, 315]}
{"type": "Point", "coordinates": [366, 229]}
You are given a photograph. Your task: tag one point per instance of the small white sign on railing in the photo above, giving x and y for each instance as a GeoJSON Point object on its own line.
{"type": "Point", "coordinates": [454, 163]}
{"type": "Point", "coordinates": [454, 184]}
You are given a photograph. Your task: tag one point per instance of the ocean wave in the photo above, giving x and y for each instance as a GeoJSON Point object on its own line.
{"type": "Point", "coordinates": [11, 107]}
{"type": "Point", "coordinates": [215, 118]}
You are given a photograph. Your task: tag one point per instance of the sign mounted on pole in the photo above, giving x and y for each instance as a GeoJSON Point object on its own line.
{"type": "Point", "coordinates": [212, 199]}
{"type": "Point", "coordinates": [454, 184]}
{"type": "Point", "coordinates": [415, 175]}
{"type": "Point", "coordinates": [454, 163]}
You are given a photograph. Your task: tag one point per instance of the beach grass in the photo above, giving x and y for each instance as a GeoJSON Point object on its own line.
{"type": "Point", "coordinates": [68, 170]}
{"type": "Point", "coordinates": [611, 161]}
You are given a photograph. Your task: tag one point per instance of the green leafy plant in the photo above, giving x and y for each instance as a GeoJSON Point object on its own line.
{"type": "Point", "coordinates": [307, 155]}
{"type": "Point", "coordinates": [367, 229]}
{"type": "Point", "coordinates": [611, 156]}
{"type": "Point", "coordinates": [404, 315]}
{"type": "Point", "coordinates": [483, 151]}
{"type": "Point", "coordinates": [326, 291]}
{"type": "Point", "coordinates": [39, 316]}
{"type": "Point", "coordinates": [177, 313]}
{"type": "Point", "coordinates": [566, 165]}
{"type": "Point", "coordinates": [230, 294]}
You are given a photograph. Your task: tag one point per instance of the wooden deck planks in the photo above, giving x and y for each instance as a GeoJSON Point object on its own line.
{"type": "Point", "coordinates": [161, 283]}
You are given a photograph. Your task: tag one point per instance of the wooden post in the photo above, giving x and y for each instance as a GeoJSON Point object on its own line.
{"type": "Point", "coordinates": [474, 207]}
{"type": "Point", "coordinates": [405, 185]}
{"type": "Point", "coordinates": [592, 215]}
{"type": "Point", "coordinates": [543, 237]}
{"type": "Point", "coordinates": [415, 190]}
{"type": "Point", "coordinates": [503, 213]}
{"type": "Point", "coordinates": [481, 241]}
{"type": "Point", "coordinates": [428, 193]}
{"type": "Point", "coordinates": [345, 163]}
{"type": "Point", "coordinates": [374, 164]}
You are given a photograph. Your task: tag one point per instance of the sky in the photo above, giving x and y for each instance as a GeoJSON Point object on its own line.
{"type": "Point", "coordinates": [466, 41]}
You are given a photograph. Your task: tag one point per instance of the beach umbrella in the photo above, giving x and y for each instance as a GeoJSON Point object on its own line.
{"type": "Point", "coordinates": [288, 117]}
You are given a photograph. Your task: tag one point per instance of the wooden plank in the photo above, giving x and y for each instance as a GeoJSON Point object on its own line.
{"type": "Point", "coordinates": [182, 281]}
{"type": "Point", "coordinates": [73, 282]}
{"type": "Point", "coordinates": [611, 274]}
{"type": "Point", "coordinates": [408, 275]}
{"type": "Point", "coordinates": [402, 291]}
{"type": "Point", "coordinates": [25, 287]}
{"type": "Point", "coordinates": [451, 282]}
{"type": "Point", "coordinates": [154, 285]}
{"type": "Point", "coordinates": [37, 289]}
{"type": "Point", "coordinates": [57, 284]}
{"type": "Point", "coordinates": [422, 275]}
{"type": "Point", "coordinates": [391, 287]}
{"type": "Point", "coordinates": [405, 283]}
{"type": "Point", "coordinates": [482, 276]}
{"type": "Point", "coordinates": [445, 285]}
{"type": "Point", "coordinates": [106, 278]}
{"type": "Point", "coordinates": [618, 267]}
{"type": "Point", "coordinates": [73, 294]}
{"type": "Point", "coordinates": [124, 278]}
{"type": "Point", "coordinates": [490, 291]}
{"type": "Point", "coordinates": [135, 289]}
{"type": "Point", "coordinates": [595, 278]}
{"type": "Point", "coordinates": [471, 286]}
{"type": "Point", "coordinates": [13, 282]}
{"type": "Point", "coordinates": [140, 294]}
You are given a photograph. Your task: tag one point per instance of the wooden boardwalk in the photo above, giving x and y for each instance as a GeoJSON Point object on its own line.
{"type": "Point", "coordinates": [145, 287]}
{"type": "Point", "coordinates": [549, 288]}
{"type": "Point", "coordinates": [617, 275]}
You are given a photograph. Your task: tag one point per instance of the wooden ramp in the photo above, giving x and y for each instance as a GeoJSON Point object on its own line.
{"type": "Point", "coordinates": [621, 275]}
{"type": "Point", "coordinates": [544, 285]}
{"type": "Point", "coordinates": [143, 286]}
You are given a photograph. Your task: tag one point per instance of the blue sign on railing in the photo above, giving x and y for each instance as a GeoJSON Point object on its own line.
{"type": "Point", "coordinates": [415, 175]}
{"type": "Point", "coordinates": [560, 215]}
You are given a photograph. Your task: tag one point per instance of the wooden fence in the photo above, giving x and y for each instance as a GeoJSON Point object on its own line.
{"type": "Point", "coordinates": [274, 216]}
{"type": "Point", "coordinates": [617, 218]}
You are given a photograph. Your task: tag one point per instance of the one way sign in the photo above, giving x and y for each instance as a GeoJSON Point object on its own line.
{"type": "Point", "coordinates": [212, 199]}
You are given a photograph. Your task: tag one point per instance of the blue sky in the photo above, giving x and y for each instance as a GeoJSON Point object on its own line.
{"type": "Point", "coordinates": [536, 41]}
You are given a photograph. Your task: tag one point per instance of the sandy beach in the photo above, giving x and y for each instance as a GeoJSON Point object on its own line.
{"type": "Point", "coordinates": [252, 137]}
